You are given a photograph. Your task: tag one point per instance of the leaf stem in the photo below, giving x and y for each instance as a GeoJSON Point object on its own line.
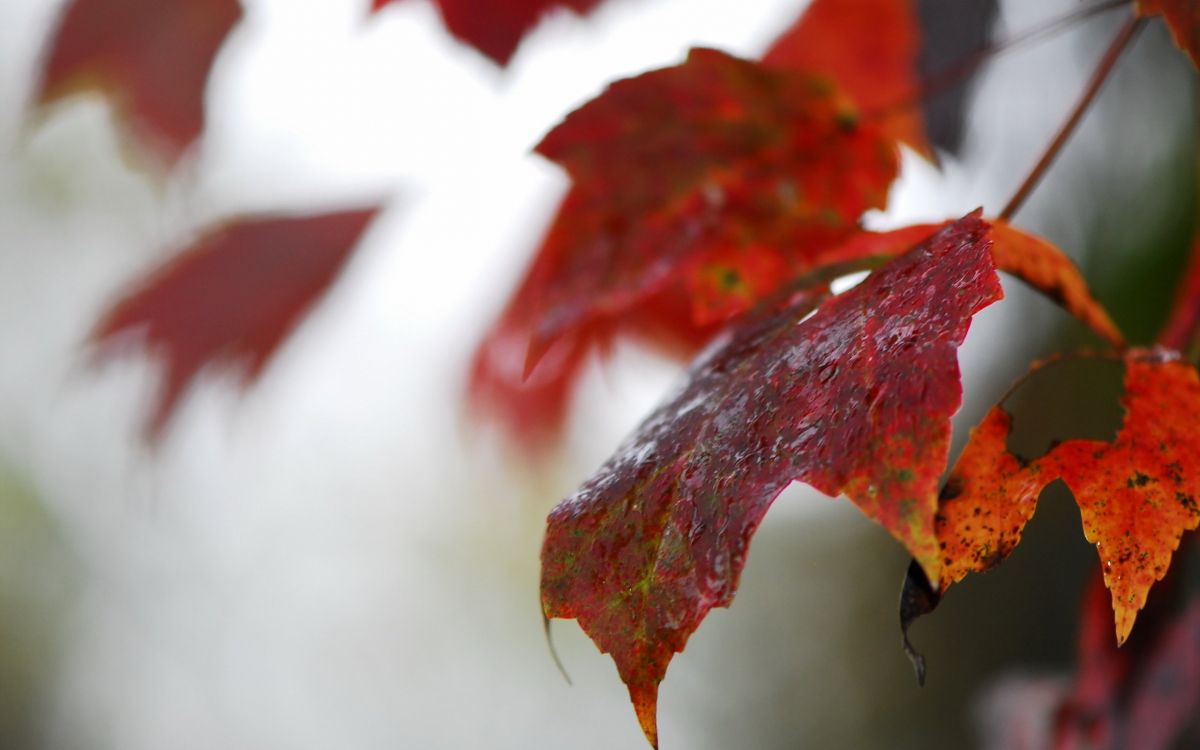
{"type": "Point", "coordinates": [1119, 43]}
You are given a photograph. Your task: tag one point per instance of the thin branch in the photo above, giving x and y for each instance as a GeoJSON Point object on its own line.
{"type": "Point", "coordinates": [1120, 42]}
{"type": "Point", "coordinates": [954, 74]}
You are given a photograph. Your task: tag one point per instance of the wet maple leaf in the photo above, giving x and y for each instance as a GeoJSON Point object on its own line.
{"type": "Point", "coordinates": [854, 400]}
{"type": "Point", "coordinates": [231, 297]}
{"type": "Point", "coordinates": [1136, 495]}
{"type": "Point", "coordinates": [869, 48]}
{"type": "Point", "coordinates": [152, 57]}
{"type": "Point", "coordinates": [495, 27]}
{"type": "Point", "coordinates": [533, 408]}
{"type": "Point", "coordinates": [1182, 17]}
{"type": "Point", "coordinates": [1018, 253]}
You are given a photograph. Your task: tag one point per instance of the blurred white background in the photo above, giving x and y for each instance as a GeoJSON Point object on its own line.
{"type": "Point", "coordinates": [336, 558]}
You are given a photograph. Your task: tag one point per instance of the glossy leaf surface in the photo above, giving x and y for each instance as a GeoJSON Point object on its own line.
{"type": "Point", "coordinates": [231, 297]}
{"type": "Point", "coordinates": [1018, 253]}
{"type": "Point", "coordinates": [152, 57]}
{"type": "Point", "coordinates": [495, 27]}
{"type": "Point", "coordinates": [855, 400]}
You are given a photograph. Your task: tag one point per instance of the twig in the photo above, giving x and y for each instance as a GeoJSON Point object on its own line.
{"type": "Point", "coordinates": [1127, 32]}
{"type": "Point", "coordinates": [953, 74]}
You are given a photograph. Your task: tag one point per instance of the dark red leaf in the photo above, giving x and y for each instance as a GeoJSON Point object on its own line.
{"type": "Point", "coordinates": [495, 27]}
{"type": "Point", "coordinates": [231, 297]}
{"type": "Point", "coordinates": [153, 58]}
{"type": "Point", "coordinates": [856, 399]}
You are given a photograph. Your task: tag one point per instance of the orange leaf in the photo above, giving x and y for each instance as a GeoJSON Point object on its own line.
{"type": "Point", "coordinates": [153, 57]}
{"type": "Point", "coordinates": [1046, 268]}
{"type": "Point", "coordinates": [231, 297]}
{"type": "Point", "coordinates": [1182, 17]}
{"type": "Point", "coordinates": [986, 502]}
{"type": "Point", "coordinates": [1136, 495]}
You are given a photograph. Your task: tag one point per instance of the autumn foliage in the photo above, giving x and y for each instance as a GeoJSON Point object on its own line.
{"type": "Point", "coordinates": [711, 204]}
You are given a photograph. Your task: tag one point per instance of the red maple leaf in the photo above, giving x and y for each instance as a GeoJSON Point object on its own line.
{"type": "Point", "coordinates": [152, 57]}
{"type": "Point", "coordinates": [869, 49]}
{"type": "Point", "coordinates": [1136, 495]}
{"type": "Point", "coordinates": [231, 297]}
{"type": "Point", "coordinates": [856, 399]}
{"type": "Point", "coordinates": [495, 27]}
{"type": "Point", "coordinates": [698, 190]}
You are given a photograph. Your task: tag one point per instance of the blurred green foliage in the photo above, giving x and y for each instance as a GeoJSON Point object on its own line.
{"type": "Point", "coordinates": [36, 575]}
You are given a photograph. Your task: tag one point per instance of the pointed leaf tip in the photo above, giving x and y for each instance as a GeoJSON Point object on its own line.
{"type": "Point", "coordinates": [659, 535]}
{"type": "Point", "coordinates": [645, 703]}
{"type": "Point", "coordinates": [1137, 495]}
{"type": "Point", "coordinates": [230, 298]}
{"type": "Point", "coordinates": [152, 57]}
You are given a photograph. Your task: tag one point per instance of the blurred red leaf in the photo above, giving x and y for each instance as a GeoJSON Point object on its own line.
{"type": "Point", "coordinates": [1182, 328]}
{"type": "Point", "coordinates": [869, 49]}
{"type": "Point", "coordinates": [717, 160]}
{"type": "Point", "coordinates": [152, 57]}
{"type": "Point", "coordinates": [856, 399]}
{"type": "Point", "coordinates": [698, 190]}
{"type": "Point", "coordinates": [495, 27]}
{"type": "Point", "coordinates": [1143, 696]}
{"type": "Point", "coordinates": [1085, 719]}
{"type": "Point", "coordinates": [231, 297]}
{"type": "Point", "coordinates": [1136, 495]}
{"type": "Point", "coordinates": [1167, 694]}
{"type": "Point", "coordinates": [1183, 18]}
